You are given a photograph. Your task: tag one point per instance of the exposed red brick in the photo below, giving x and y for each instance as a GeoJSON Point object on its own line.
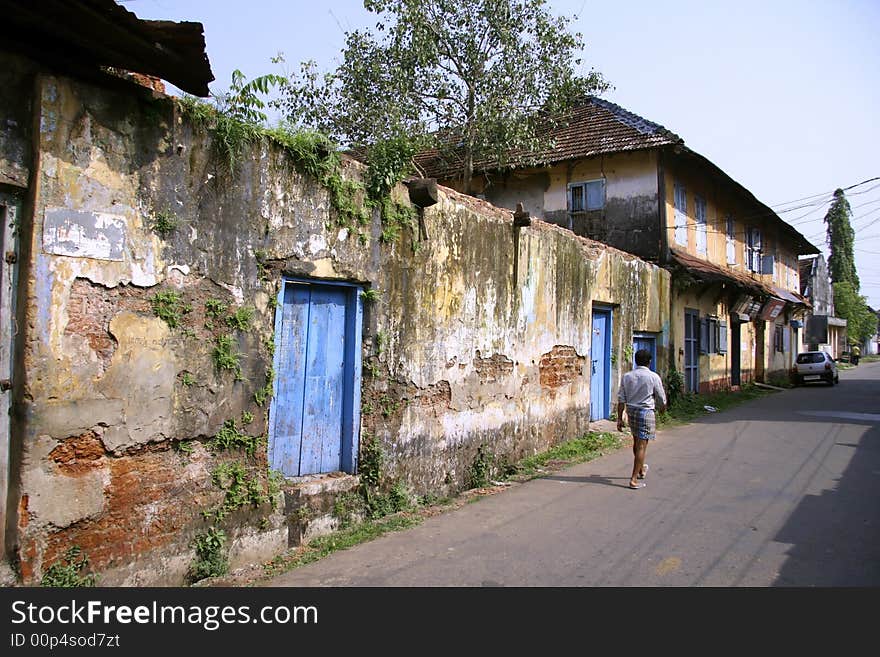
{"type": "Point", "coordinates": [560, 366]}
{"type": "Point", "coordinates": [23, 517]}
{"type": "Point", "coordinates": [438, 394]}
{"type": "Point", "coordinates": [149, 505]}
{"type": "Point", "coordinates": [79, 454]}
{"type": "Point", "coordinates": [89, 312]}
{"type": "Point", "coordinates": [493, 368]}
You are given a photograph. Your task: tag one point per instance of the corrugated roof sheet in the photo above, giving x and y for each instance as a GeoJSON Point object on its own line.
{"type": "Point", "coordinates": [706, 271]}
{"type": "Point", "coordinates": [791, 297]}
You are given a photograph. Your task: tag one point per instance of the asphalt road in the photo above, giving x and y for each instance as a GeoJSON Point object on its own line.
{"type": "Point", "coordinates": [780, 491]}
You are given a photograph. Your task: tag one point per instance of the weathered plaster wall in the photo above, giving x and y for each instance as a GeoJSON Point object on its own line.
{"type": "Point", "coordinates": [487, 342]}
{"type": "Point", "coordinates": [487, 332]}
{"type": "Point", "coordinates": [629, 219]}
{"type": "Point", "coordinates": [722, 202]}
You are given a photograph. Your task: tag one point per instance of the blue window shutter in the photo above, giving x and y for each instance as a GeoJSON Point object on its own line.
{"type": "Point", "coordinates": [595, 194]}
{"type": "Point", "coordinates": [704, 335]}
{"type": "Point", "coordinates": [722, 337]}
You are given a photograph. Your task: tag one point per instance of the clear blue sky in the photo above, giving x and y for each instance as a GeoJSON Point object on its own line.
{"type": "Point", "coordinates": [783, 95]}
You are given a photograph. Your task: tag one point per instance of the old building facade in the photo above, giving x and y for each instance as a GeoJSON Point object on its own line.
{"type": "Point", "coordinates": [181, 334]}
{"type": "Point", "coordinates": [613, 176]}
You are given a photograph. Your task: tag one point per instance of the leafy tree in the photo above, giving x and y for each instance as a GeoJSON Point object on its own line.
{"type": "Point", "coordinates": [841, 262]}
{"type": "Point", "coordinates": [861, 323]}
{"type": "Point", "coordinates": [484, 76]}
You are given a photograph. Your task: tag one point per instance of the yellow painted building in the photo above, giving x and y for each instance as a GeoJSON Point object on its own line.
{"type": "Point", "coordinates": [736, 312]}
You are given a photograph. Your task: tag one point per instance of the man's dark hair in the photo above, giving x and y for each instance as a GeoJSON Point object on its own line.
{"type": "Point", "coordinates": [643, 357]}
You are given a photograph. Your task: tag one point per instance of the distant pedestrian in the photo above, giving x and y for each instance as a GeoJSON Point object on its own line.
{"type": "Point", "coordinates": [855, 354]}
{"type": "Point", "coordinates": [639, 391]}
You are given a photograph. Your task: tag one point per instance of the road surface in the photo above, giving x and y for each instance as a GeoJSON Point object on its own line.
{"type": "Point", "coordinates": [780, 491]}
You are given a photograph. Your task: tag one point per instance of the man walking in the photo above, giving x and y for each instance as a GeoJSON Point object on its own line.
{"type": "Point", "coordinates": [639, 391]}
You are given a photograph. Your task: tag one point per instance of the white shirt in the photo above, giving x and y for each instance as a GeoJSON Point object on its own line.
{"type": "Point", "coordinates": [640, 387]}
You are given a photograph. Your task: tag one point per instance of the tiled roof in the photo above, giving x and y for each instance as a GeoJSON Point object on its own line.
{"type": "Point", "coordinates": [706, 271]}
{"type": "Point", "coordinates": [595, 127]}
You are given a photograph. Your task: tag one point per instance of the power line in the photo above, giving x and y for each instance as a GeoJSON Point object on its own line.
{"type": "Point", "coordinates": [864, 182]}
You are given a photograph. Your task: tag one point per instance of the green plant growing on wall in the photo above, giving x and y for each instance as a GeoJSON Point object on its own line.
{"type": "Point", "coordinates": [241, 319]}
{"type": "Point", "coordinates": [237, 120]}
{"type": "Point", "coordinates": [395, 217]}
{"type": "Point", "coordinates": [674, 385]}
{"type": "Point", "coordinates": [67, 572]}
{"type": "Point", "coordinates": [226, 357]}
{"type": "Point", "coordinates": [163, 222]}
{"type": "Point", "coordinates": [210, 559]}
{"type": "Point", "coordinates": [481, 468]}
{"type": "Point", "coordinates": [187, 379]}
{"type": "Point", "coordinates": [215, 308]}
{"type": "Point", "coordinates": [371, 295]}
{"type": "Point", "coordinates": [389, 406]}
{"type": "Point", "coordinates": [230, 437]}
{"type": "Point", "coordinates": [371, 460]}
{"type": "Point", "coordinates": [264, 394]}
{"type": "Point", "coordinates": [262, 271]}
{"type": "Point", "coordinates": [347, 507]}
{"type": "Point", "coordinates": [275, 481]}
{"type": "Point", "coordinates": [371, 368]}
{"type": "Point", "coordinates": [169, 306]}
{"type": "Point", "coordinates": [628, 353]}
{"type": "Point", "coordinates": [381, 341]}
{"type": "Point", "coordinates": [241, 489]}
{"type": "Point", "coordinates": [183, 447]}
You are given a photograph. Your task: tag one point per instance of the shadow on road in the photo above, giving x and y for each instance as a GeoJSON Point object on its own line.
{"type": "Point", "coordinates": [592, 479]}
{"type": "Point", "coordinates": [835, 536]}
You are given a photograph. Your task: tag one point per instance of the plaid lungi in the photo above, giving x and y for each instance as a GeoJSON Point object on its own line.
{"type": "Point", "coordinates": [642, 422]}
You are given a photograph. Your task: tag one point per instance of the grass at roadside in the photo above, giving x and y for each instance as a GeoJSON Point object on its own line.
{"type": "Point", "coordinates": [689, 407]}
{"type": "Point", "coordinates": [578, 450]}
{"type": "Point", "coordinates": [320, 547]}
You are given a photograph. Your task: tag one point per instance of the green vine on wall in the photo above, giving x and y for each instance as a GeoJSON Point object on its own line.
{"type": "Point", "coordinates": [236, 121]}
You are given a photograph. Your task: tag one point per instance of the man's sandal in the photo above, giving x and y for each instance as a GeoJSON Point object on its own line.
{"type": "Point", "coordinates": [644, 472]}
{"type": "Point", "coordinates": [637, 486]}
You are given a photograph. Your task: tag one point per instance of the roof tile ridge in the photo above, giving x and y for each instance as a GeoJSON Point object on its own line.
{"type": "Point", "coordinates": [633, 120]}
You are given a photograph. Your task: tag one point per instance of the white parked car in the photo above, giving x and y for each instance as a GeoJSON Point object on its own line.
{"type": "Point", "coordinates": [814, 366]}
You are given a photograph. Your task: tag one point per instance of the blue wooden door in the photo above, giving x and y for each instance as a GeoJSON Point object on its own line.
{"type": "Point", "coordinates": [691, 350]}
{"type": "Point", "coordinates": [600, 354]}
{"type": "Point", "coordinates": [314, 416]}
{"type": "Point", "coordinates": [648, 342]}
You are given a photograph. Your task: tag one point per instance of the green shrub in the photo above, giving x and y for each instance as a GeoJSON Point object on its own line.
{"type": "Point", "coordinates": [66, 572]}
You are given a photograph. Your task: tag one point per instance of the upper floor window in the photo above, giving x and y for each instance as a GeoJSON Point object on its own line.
{"type": "Point", "coordinates": [700, 216]}
{"type": "Point", "coordinates": [584, 196]}
{"type": "Point", "coordinates": [754, 250]}
{"type": "Point", "coordinates": [681, 234]}
{"type": "Point", "coordinates": [731, 240]}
